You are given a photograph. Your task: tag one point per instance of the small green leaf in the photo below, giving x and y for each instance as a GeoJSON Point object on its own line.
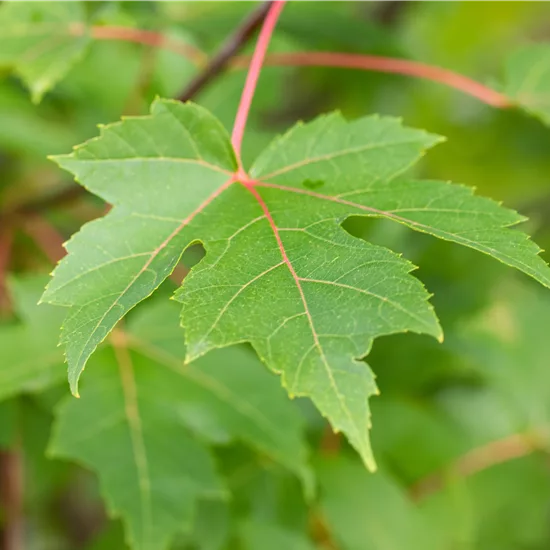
{"type": "Point", "coordinates": [41, 41]}
{"type": "Point", "coordinates": [527, 79]}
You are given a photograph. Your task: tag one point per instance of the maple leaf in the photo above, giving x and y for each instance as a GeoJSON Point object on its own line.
{"type": "Point", "coordinates": [279, 270]}
{"type": "Point", "coordinates": [527, 79]}
{"type": "Point", "coordinates": [146, 408]}
{"type": "Point", "coordinates": [38, 41]}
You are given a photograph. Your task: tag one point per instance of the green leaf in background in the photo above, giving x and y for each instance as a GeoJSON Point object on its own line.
{"type": "Point", "coordinates": [279, 270]}
{"type": "Point", "coordinates": [371, 512]}
{"type": "Point", "coordinates": [226, 395]}
{"type": "Point", "coordinates": [507, 344]}
{"type": "Point", "coordinates": [31, 359]}
{"type": "Point", "coordinates": [127, 429]}
{"type": "Point", "coordinates": [41, 41]}
{"type": "Point", "coordinates": [142, 405]}
{"type": "Point", "coordinates": [527, 79]}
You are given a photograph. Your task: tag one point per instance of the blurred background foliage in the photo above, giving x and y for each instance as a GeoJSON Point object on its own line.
{"type": "Point", "coordinates": [461, 430]}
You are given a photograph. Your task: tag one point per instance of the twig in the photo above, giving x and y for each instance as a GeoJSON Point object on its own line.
{"type": "Point", "coordinates": [230, 47]}
{"type": "Point", "coordinates": [481, 458]}
{"type": "Point", "coordinates": [256, 63]}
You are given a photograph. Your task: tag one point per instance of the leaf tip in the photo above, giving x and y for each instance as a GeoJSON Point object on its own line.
{"type": "Point", "coordinates": [368, 460]}
{"type": "Point", "coordinates": [73, 385]}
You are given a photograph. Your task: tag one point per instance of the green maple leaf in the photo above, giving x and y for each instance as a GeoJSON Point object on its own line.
{"type": "Point", "coordinates": [279, 270]}
{"type": "Point", "coordinates": [41, 41]}
{"type": "Point", "coordinates": [143, 415]}
{"type": "Point", "coordinates": [527, 79]}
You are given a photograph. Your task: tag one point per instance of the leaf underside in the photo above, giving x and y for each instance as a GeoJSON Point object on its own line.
{"type": "Point", "coordinates": [279, 272]}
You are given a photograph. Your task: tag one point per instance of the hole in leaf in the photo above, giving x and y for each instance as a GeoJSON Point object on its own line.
{"type": "Point", "coordinates": [193, 255]}
{"type": "Point", "coordinates": [313, 184]}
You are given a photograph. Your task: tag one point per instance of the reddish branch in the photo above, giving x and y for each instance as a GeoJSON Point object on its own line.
{"type": "Point", "coordinates": [231, 46]}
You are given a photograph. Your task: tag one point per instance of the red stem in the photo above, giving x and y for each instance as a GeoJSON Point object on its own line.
{"type": "Point", "coordinates": [389, 65]}
{"type": "Point", "coordinates": [253, 74]}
